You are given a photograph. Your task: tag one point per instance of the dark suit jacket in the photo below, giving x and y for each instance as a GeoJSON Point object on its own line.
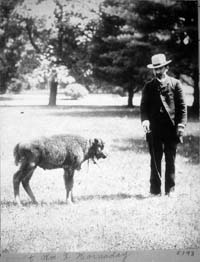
{"type": "Point", "coordinates": [169, 95]}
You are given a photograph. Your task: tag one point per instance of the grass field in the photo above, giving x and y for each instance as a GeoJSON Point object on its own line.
{"type": "Point", "coordinates": [112, 210]}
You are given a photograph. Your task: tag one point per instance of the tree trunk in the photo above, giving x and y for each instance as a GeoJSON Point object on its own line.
{"type": "Point", "coordinates": [3, 83]}
{"type": "Point", "coordinates": [130, 97]}
{"type": "Point", "coordinates": [195, 106]}
{"type": "Point", "coordinates": [53, 90]}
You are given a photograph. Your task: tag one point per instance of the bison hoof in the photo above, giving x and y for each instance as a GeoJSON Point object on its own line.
{"type": "Point", "coordinates": [17, 201]}
{"type": "Point", "coordinates": [70, 202]}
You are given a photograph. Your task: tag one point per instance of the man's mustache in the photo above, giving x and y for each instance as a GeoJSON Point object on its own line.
{"type": "Point", "coordinates": [159, 75]}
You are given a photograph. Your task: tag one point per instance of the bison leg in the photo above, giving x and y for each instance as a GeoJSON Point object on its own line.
{"type": "Point", "coordinates": [69, 182]}
{"type": "Point", "coordinates": [27, 188]}
{"type": "Point", "coordinates": [17, 178]}
{"type": "Point", "coordinates": [24, 171]}
{"type": "Point", "coordinates": [16, 182]}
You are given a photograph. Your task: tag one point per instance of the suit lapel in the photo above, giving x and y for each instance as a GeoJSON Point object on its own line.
{"type": "Point", "coordinates": [166, 86]}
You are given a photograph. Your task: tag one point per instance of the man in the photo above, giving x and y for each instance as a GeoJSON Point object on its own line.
{"type": "Point", "coordinates": [163, 116]}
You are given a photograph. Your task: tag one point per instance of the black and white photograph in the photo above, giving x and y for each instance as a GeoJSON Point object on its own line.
{"type": "Point", "coordinates": [99, 133]}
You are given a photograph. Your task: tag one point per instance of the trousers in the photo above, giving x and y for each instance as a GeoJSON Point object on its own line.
{"type": "Point", "coordinates": [163, 141]}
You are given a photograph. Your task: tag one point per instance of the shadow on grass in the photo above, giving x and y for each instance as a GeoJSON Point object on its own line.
{"type": "Point", "coordinates": [189, 149]}
{"type": "Point", "coordinates": [100, 111]}
{"type": "Point", "coordinates": [13, 203]}
{"type": "Point", "coordinates": [119, 196]}
{"type": "Point", "coordinates": [83, 110]}
{"type": "Point", "coordinates": [78, 199]}
{"type": "Point", "coordinates": [4, 98]}
{"type": "Point", "coordinates": [137, 145]}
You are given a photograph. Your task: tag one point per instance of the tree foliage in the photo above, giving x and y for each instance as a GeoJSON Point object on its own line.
{"type": "Point", "coordinates": [172, 28]}
{"type": "Point", "coordinates": [60, 30]}
{"type": "Point", "coordinates": [131, 31]}
{"type": "Point", "coordinates": [11, 43]}
{"type": "Point", "coordinates": [118, 54]}
{"type": "Point", "coordinates": [112, 39]}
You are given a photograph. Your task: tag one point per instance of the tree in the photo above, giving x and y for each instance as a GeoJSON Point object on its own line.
{"type": "Point", "coordinates": [118, 54]}
{"type": "Point", "coordinates": [60, 32]}
{"type": "Point", "coordinates": [11, 43]}
{"type": "Point", "coordinates": [131, 31]}
{"type": "Point", "coordinates": [185, 51]}
{"type": "Point", "coordinates": [172, 28]}
{"type": "Point", "coordinates": [53, 84]}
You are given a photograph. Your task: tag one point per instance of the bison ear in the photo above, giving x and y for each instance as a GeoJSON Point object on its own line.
{"type": "Point", "coordinates": [93, 142]}
{"type": "Point", "coordinates": [99, 142]}
{"type": "Point", "coordinates": [96, 141]}
{"type": "Point", "coordinates": [102, 144]}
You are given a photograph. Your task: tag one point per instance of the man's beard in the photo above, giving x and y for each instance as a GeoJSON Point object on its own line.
{"type": "Point", "coordinates": [159, 76]}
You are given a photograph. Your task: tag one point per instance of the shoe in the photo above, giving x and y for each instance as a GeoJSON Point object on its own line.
{"type": "Point", "coordinates": [171, 193]}
{"type": "Point", "coordinates": [154, 195]}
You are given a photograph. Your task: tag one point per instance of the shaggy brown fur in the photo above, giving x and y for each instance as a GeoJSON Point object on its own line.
{"type": "Point", "coordinates": [58, 151]}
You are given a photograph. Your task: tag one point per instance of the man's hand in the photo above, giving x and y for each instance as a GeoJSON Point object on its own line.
{"type": "Point", "coordinates": [180, 132]}
{"type": "Point", "coordinates": [146, 126]}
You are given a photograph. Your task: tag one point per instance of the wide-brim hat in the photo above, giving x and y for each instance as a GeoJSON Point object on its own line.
{"type": "Point", "coordinates": [158, 60]}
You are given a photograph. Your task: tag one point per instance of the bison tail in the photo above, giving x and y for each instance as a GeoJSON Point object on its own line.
{"type": "Point", "coordinates": [16, 154]}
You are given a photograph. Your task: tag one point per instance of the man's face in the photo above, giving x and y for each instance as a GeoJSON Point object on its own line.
{"type": "Point", "coordinates": [160, 72]}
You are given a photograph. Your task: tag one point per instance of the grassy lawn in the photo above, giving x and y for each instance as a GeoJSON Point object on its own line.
{"type": "Point", "coordinates": [112, 210]}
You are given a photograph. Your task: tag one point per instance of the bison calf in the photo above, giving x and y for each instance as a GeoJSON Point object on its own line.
{"type": "Point", "coordinates": [58, 151]}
